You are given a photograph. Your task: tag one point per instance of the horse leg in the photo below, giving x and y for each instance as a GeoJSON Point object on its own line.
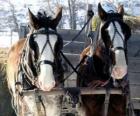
{"type": "Point", "coordinates": [23, 105]}
{"type": "Point", "coordinates": [29, 107]}
{"type": "Point", "coordinates": [93, 105]}
{"type": "Point", "coordinates": [117, 105]}
{"type": "Point", "coordinates": [81, 110]}
{"type": "Point", "coordinates": [52, 105]}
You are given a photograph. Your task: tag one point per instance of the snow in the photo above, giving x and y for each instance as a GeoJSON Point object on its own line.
{"type": "Point", "coordinates": [21, 7]}
{"type": "Point", "coordinates": [6, 40]}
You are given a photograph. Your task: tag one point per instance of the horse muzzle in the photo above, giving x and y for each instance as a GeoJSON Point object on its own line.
{"type": "Point", "coordinates": [118, 72]}
{"type": "Point", "coordinates": [46, 87]}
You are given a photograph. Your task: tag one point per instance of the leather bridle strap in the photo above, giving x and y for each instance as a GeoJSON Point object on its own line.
{"type": "Point", "coordinates": [116, 31]}
{"type": "Point", "coordinates": [118, 48]}
{"type": "Point", "coordinates": [46, 62]}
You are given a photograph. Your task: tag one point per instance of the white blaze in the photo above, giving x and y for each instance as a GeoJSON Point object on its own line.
{"type": "Point", "coordinates": [46, 78]}
{"type": "Point", "coordinates": [120, 68]}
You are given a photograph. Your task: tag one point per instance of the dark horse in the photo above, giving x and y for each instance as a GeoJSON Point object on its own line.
{"type": "Point", "coordinates": [35, 63]}
{"type": "Point", "coordinates": [106, 65]}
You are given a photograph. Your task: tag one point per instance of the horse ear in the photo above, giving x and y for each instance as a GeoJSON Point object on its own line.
{"type": "Point", "coordinates": [34, 22]}
{"type": "Point", "coordinates": [54, 22]}
{"type": "Point", "coordinates": [121, 10]}
{"type": "Point", "coordinates": [101, 12]}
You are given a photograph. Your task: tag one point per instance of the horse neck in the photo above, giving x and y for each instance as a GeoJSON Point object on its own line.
{"type": "Point", "coordinates": [101, 61]}
{"type": "Point", "coordinates": [100, 50]}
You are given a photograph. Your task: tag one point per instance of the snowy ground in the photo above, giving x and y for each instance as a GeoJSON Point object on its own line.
{"type": "Point", "coordinates": [6, 40]}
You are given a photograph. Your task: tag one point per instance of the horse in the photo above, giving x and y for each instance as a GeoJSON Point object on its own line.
{"type": "Point", "coordinates": [105, 66]}
{"type": "Point", "coordinates": [34, 63]}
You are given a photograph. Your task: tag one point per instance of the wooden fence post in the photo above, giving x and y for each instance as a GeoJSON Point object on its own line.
{"type": "Point", "coordinates": [88, 27]}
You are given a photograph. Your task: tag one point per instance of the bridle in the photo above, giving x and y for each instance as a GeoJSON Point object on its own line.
{"type": "Point", "coordinates": [31, 72]}
{"type": "Point", "coordinates": [109, 49]}
{"type": "Point", "coordinates": [106, 24]}
{"type": "Point", "coordinates": [47, 32]}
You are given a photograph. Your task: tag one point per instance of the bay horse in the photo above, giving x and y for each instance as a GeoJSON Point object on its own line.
{"type": "Point", "coordinates": [35, 63]}
{"type": "Point", "coordinates": [106, 65]}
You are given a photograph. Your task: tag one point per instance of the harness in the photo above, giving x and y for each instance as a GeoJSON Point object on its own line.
{"type": "Point", "coordinates": [90, 14]}
{"type": "Point", "coordinates": [28, 72]}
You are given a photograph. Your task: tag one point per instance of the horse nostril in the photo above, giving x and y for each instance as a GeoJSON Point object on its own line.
{"type": "Point", "coordinates": [53, 84]}
{"type": "Point", "coordinates": [40, 83]}
{"type": "Point", "coordinates": [50, 87]}
{"type": "Point", "coordinates": [47, 86]}
{"type": "Point", "coordinates": [119, 72]}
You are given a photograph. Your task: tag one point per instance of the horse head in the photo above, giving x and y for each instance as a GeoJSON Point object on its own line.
{"type": "Point", "coordinates": [115, 32]}
{"type": "Point", "coordinates": [46, 44]}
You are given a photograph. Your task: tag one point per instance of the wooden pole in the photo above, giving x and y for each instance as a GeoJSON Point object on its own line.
{"type": "Point", "coordinates": [84, 91]}
{"type": "Point", "coordinates": [88, 27]}
{"type": "Point", "coordinates": [89, 8]}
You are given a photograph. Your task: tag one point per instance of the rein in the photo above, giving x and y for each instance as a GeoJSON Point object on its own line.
{"type": "Point", "coordinates": [74, 68]}
{"type": "Point", "coordinates": [76, 36]}
{"type": "Point", "coordinates": [73, 39]}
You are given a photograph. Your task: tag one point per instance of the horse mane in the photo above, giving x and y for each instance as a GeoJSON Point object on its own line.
{"type": "Point", "coordinates": [44, 20]}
